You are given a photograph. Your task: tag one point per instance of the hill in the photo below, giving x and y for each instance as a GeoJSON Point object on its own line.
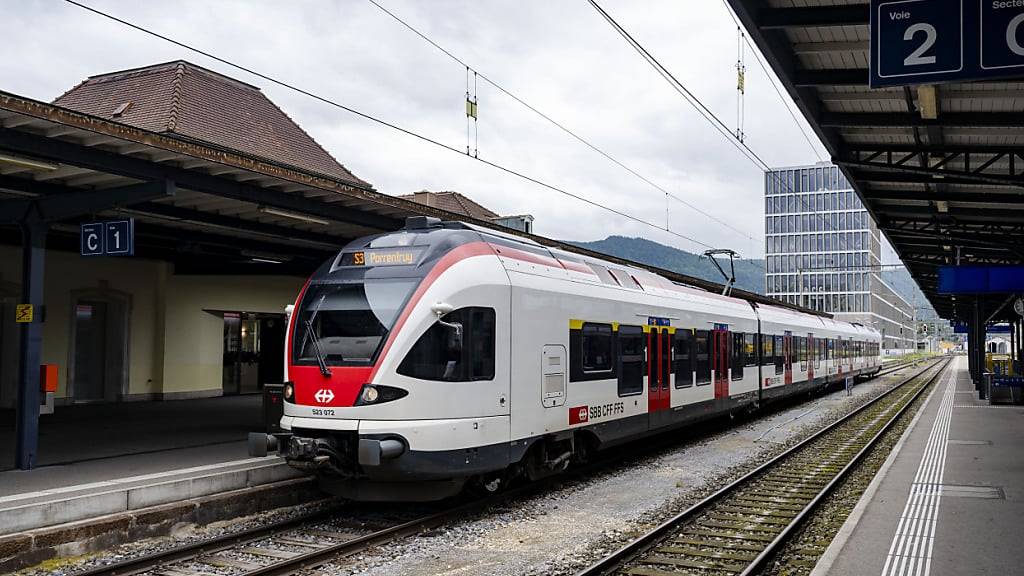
{"type": "Point", "coordinates": [749, 273]}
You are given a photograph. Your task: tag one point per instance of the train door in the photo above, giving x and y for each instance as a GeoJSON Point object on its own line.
{"type": "Point", "coordinates": [809, 355]}
{"type": "Point", "coordinates": [787, 347]}
{"type": "Point", "coordinates": [720, 360]}
{"type": "Point", "coordinates": [659, 375]}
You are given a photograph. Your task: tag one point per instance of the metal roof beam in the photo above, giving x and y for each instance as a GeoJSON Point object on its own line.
{"type": "Point", "coordinates": [80, 202]}
{"type": "Point", "coordinates": [815, 17]}
{"type": "Point", "coordinates": [170, 211]}
{"type": "Point", "coordinates": [907, 174]}
{"type": "Point", "coordinates": [837, 77]}
{"type": "Point", "coordinates": [909, 120]}
{"type": "Point", "coordinates": [945, 195]}
{"type": "Point", "coordinates": [113, 163]}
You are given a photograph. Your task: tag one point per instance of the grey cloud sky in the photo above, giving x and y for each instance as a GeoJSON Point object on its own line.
{"type": "Point", "coordinates": [560, 56]}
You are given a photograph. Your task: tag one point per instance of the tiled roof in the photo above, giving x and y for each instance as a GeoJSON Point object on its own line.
{"type": "Point", "coordinates": [452, 202]}
{"type": "Point", "coordinates": [199, 104]}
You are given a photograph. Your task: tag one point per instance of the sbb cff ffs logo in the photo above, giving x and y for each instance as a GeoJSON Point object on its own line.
{"type": "Point", "coordinates": [324, 396]}
{"type": "Point", "coordinates": [579, 415]}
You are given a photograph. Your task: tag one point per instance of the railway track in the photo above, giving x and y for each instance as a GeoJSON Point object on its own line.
{"type": "Point", "coordinates": [308, 541]}
{"type": "Point", "coordinates": [738, 529]}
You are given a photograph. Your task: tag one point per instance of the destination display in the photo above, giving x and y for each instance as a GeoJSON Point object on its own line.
{"type": "Point", "coordinates": [381, 257]}
{"type": "Point", "coordinates": [936, 41]}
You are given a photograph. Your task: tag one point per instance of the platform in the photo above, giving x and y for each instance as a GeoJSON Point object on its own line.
{"type": "Point", "coordinates": [949, 499]}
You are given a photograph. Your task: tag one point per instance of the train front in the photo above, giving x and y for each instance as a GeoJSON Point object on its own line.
{"type": "Point", "coordinates": [396, 387]}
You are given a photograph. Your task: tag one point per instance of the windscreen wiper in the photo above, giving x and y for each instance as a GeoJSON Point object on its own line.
{"type": "Point", "coordinates": [315, 340]}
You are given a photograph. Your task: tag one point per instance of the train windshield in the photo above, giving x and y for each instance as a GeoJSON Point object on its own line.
{"type": "Point", "coordinates": [345, 324]}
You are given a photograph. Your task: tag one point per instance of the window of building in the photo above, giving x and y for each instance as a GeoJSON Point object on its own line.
{"type": "Point", "coordinates": [438, 355]}
{"type": "Point", "coordinates": [631, 360]}
{"type": "Point", "coordinates": [702, 357]}
{"type": "Point", "coordinates": [597, 347]}
{"type": "Point", "coordinates": [683, 344]}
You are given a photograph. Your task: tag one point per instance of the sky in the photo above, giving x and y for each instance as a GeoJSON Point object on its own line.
{"type": "Point", "coordinates": [559, 56]}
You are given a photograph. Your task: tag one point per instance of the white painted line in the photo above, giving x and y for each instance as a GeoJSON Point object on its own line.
{"type": "Point", "coordinates": [831, 554]}
{"type": "Point", "coordinates": [911, 550]}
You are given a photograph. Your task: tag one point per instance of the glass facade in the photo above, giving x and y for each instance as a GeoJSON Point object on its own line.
{"type": "Point", "coordinates": [822, 250]}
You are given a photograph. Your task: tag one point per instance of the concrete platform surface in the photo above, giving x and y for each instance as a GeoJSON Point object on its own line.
{"type": "Point", "coordinates": [80, 433]}
{"type": "Point", "coordinates": [949, 501]}
{"type": "Point", "coordinates": [110, 458]}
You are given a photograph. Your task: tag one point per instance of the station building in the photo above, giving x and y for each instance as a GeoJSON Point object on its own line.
{"type": "Point", "coordinates": [823, 251]}
{"type": "Point", "coordinates": [144, 328]}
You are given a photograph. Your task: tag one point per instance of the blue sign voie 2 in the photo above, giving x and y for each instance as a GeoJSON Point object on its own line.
{"type": "Point", "coordinates": [932, 41]}
{"type": "Point", "coordinates": [114, 238]}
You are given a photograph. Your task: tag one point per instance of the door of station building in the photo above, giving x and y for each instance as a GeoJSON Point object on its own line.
{"type": "Point", "coordinates": [253, 351]}
{"type": "Point", "coordinates": [788, 365]}
{"type": "Point", "coordinates": [659, 375]}
{"type": "Point", "coordinates": [720, 345]}
{"type": "Point", "coordinates": [97, 371]}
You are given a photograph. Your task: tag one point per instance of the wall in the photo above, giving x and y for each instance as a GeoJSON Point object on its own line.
{"type": "Point", "coordinates": [175, 346]}
{"type": "Point", "coordinates": [66, 273]}
{"type": "Point", "coordinates": [194, 343]}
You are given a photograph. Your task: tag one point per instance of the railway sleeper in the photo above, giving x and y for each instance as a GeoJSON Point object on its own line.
{"type": "Point", "coordinates": [741, 526]}
{"type": "Point", "coordinates": [766, 503]}
{"type": "Point", "coordinates": [683, 563]}
{"type": "Point", "coordinates": [716, 544]}
{"type": "Point", "coordinates": [269, 552]}
{"type": "Point", "coordinates": [733, 535]}
{"type": "Point", "coordinates": [759, 511]}
{"type": "Point", "coordinates": [705, 553]}
{"type": "Point", "coordinates": [750, 517]}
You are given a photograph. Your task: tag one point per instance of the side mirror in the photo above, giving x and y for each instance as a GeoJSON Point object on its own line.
{"type": "Point", "coordinates": [454, 340]}
{"type": "Point", "coordinates": [454, 336]}
{"type": "Point", "coordinates": [441, 308]}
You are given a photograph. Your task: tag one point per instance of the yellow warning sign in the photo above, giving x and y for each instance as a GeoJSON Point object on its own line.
{"type": "Point", "coordinates": [23, 313]}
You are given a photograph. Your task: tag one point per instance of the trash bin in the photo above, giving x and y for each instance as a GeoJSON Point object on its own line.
{"type": "Point", "coordinates": [273, 407]}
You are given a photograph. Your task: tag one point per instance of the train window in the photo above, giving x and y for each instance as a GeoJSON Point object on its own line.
{"type": "Point", "coordinates": [780, 354]}
{"type": "Point", "coordinates": [597, 347]}
{"type": "Point", "coordinates": [819, 352]}
{"type": "Point", "coordinates": [438, 355]}
{"type": "Point", "coordinates": [702, 357]}
{"type": "Point", "coordinates": [749, 349]}
{"type": "Point", "coordinates": [603, 274]}
{"type": "Point", "coordinates": [684, 349]}
{"type": "Point", "coordinates": [625, 280]}
{"type": "Point", "coordinates": [631, 360]}
{"type": "Point", "coordinates": [736, 356]}
{"type": "Point", "coordinates": [767, 349]}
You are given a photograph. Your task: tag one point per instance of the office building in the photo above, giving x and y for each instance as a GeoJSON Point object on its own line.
{"type": "Point", "coordinates": [823, 251]}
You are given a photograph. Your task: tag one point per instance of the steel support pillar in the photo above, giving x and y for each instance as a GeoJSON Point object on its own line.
{"type": "Point", "coordinates": [27, 425]}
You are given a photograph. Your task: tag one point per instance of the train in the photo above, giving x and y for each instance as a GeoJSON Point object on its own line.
{"type": "Point", "coordinates": [447, 356]}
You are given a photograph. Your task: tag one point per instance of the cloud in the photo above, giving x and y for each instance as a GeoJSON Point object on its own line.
{"type": "Point", "coordinates": [559, 56]}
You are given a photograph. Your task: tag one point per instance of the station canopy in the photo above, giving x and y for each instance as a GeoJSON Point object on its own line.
{"type": "Point", "coordinates": [938, 166]}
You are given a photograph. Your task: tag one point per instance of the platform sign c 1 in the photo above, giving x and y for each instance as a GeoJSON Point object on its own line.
{"type": "Point", "coordinates": [935, 41]}
{"type": "Point", "coordinates": [113, 238]}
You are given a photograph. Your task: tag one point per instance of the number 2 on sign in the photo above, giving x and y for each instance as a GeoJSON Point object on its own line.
{"type": "Point", "coordinates": [917, 57]}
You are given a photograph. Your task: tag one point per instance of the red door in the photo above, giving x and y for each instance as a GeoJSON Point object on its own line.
{"type": "Point", "coordinates": [659, 371]}
{"type": "Point", "coordinates": [788, 347]}
{"type": "Point", "coordinates": [811, 354]}
{"type": "Point", "coordinates": [720, 362]}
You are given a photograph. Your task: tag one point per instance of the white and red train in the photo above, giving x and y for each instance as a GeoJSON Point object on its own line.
{"type": "Point", "coordinates": [444, 353]}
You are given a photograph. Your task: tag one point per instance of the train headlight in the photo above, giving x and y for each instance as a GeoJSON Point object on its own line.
{"type": "Point", "coordinates": [369, 395]}
{"type": "Point", "coordinates": [289, 392]}
{"type": "Point", "coordinates": [377, 394]}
